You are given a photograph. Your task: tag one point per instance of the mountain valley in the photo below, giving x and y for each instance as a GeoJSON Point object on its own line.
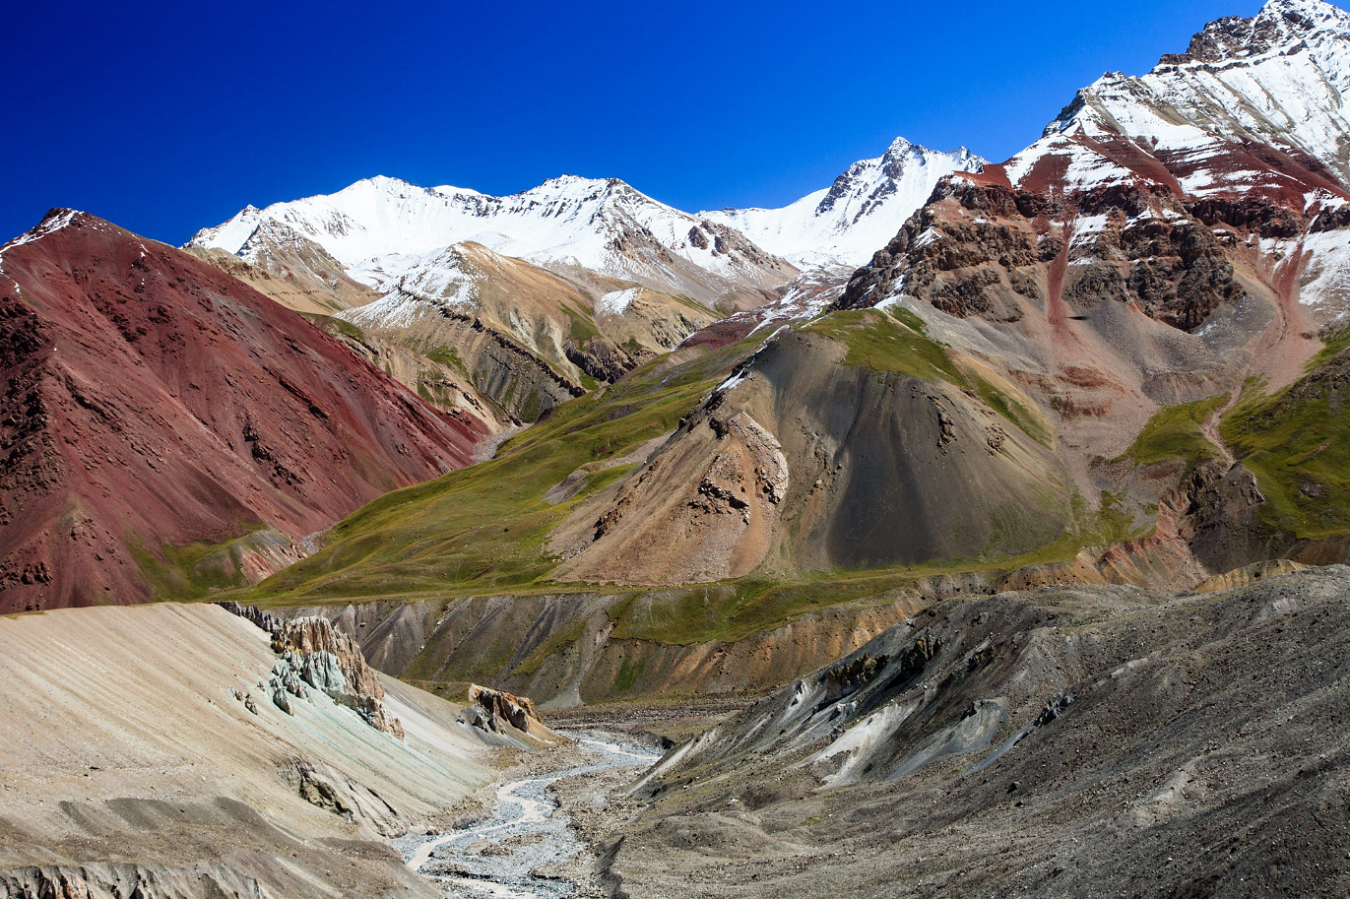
{"type": "Point", "coordinates": [963, 528]}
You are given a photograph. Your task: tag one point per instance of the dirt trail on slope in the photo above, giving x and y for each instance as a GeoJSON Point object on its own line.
{"type": "Point", "coordinates": [1210, 428]}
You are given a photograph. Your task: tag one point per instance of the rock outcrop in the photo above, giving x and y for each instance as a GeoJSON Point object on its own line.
{"type": "Point", "coordinates": [494, 711]}
{"type": "Point", "coordinates": [316, 655]}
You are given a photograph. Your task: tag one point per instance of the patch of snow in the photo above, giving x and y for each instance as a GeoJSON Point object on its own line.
{"type": "Point", "coordinates": [847, 223]}
{"type": "Point", "coordinates": [616, 302]}
{"type": "Point", "coordinates": [48, 225]}
{"type": "Point", "coordinates": [1326, 272]}
{"type": "Point", "coordinates": [928, 236]}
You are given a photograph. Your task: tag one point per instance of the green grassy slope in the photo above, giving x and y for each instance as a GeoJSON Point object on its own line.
{"type": "Point", "coordinates": [483, 529]}
{"type": "Point", "coordinates": [1174, 433]}
{"type": "Point", "coordinates": [1297, 443]}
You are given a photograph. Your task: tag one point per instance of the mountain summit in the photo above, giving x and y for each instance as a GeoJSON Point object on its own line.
{"type": "Point", "coordinates": [602, 225]}
{"type": "Point", "coordinates": [1278, 78]}
{"type": "Point", "coordinates": [843, 224]}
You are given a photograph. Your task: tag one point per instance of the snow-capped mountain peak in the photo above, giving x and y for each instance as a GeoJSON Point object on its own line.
{"type": "Point", "coordinates": [1280, 25]}
{"type": "Point", "coordinates": [1277, 78]}
{"type": "Point", "coordinates": [604, 225]}
{"type": "Point", "coordinates": [1247, 133]}
{"type": "Point", "coordinates": [844, 224]}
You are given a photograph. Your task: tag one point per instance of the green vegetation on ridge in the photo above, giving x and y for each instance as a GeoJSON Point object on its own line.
{"type": "Point", "coordinates": [899, 342]}
{"type": "Point", "coordinates": [1297, 444]}
{"type": "Point", "coordinates": [1174, 432]}
{"type": "Point", "coordinates": [484, 528]}
{"type": "Point", "coordinates": [194, 571]}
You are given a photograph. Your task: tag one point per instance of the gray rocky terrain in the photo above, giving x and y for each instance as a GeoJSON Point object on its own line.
{"type": "Point", "coordinates": [1089, 741]}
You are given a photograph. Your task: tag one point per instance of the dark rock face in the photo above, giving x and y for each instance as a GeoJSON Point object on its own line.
{"type": "Point", "coordinates": [1172, 265]}
{"type": "Point", "coordinates": [1234, 37]}
{"type": "Point", "coordinates": [1134, 729]}
{"type": "Point", "coordinates": [605, 361]}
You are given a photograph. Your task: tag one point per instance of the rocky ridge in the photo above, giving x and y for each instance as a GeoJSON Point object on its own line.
{"type": "Point", "coordinates": [604, 226]}
{"type": "Point", "coordinates": [841, 226]}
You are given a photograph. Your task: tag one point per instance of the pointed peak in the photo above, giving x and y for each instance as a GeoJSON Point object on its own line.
{"type": "Point", "coordinates": [55, 220]}
{"type": "Point", "coordinates": [1314, 9]}
{"type": "Point", "coordinates": [1279, 24]}
{"type": "Point", "coordinates": [383, 181]}
{"type": "Point", "coordinates": [568, 180]}
{"type": "Point", "coordinates": [58, 218]}
{"type": "Point", "coordinates": [969, 157]}
{"type": "Point", "coordinates": [901, 145]}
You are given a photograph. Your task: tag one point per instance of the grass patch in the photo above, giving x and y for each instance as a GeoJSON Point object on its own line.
{"type": "Point", "coordinates": [194, 571]}
{"type": "Point", "coordinates": [730, 612]}
{"type": "Point", "coordinates": [899, 342]}
{"type": "Point", "coordinates": [1297, 444]}
{"type": "Point", "coordinates": [484, 528]}
{"type": "Point", "coordinates": [628, 674]}
{"type": "Point", "coordinates": [910, 319]}
{"type": "Point", "coordinates": [449, 357]}
{"type": "Point", "coordinates": [330, 323]}
{"type": "Point", "coordinates": [582, 328]}
{"type": "Point", "coordinates": [1174, 432]}
{"type": "Point", "coordinates": [556, 641]}
{"type": "Point", "coordinates": [882, 343]}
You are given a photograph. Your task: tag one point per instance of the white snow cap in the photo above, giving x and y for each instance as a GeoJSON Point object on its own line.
{"type": "Point", "coordinates": [1277, 78]}
{"type": "Point", "coordinates": [844, 224]}
{"type": "Point", "coordinates": [567, 220]}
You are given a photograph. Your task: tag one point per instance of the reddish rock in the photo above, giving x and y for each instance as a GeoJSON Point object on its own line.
{"type": "Point", "coordinates": [147, 398]}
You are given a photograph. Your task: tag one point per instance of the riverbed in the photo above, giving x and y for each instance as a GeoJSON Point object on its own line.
{"type": "Point", "coordinates": [520, 851]}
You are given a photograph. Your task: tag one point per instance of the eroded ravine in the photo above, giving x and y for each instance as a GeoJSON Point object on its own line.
{"type": "Point", "coordinates": [519, 850]}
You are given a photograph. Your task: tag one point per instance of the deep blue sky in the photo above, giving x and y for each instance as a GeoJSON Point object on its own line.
{"type": "Point", "coordinates": [165, 117]}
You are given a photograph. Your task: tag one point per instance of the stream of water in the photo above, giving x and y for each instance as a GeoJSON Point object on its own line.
{"type": "Point", "coordinates": [524, 839]}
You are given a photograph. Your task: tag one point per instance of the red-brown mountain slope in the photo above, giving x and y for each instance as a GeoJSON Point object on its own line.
{"type": "Point", "coordinates": [148, 401]}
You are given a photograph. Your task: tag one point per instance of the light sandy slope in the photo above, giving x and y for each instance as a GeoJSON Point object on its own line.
{"type": "Point", "coordinates": [476, 304]}
{"type": "Point", "coordinates": [125, 746]}
{"type": "Point", "coordinates": [295, 272]}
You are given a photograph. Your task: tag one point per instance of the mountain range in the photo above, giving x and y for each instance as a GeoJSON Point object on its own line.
{"type": "Point", "coordinates": [1073, 351]}
{"type": "Point", "coordinates": [966, 527]}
